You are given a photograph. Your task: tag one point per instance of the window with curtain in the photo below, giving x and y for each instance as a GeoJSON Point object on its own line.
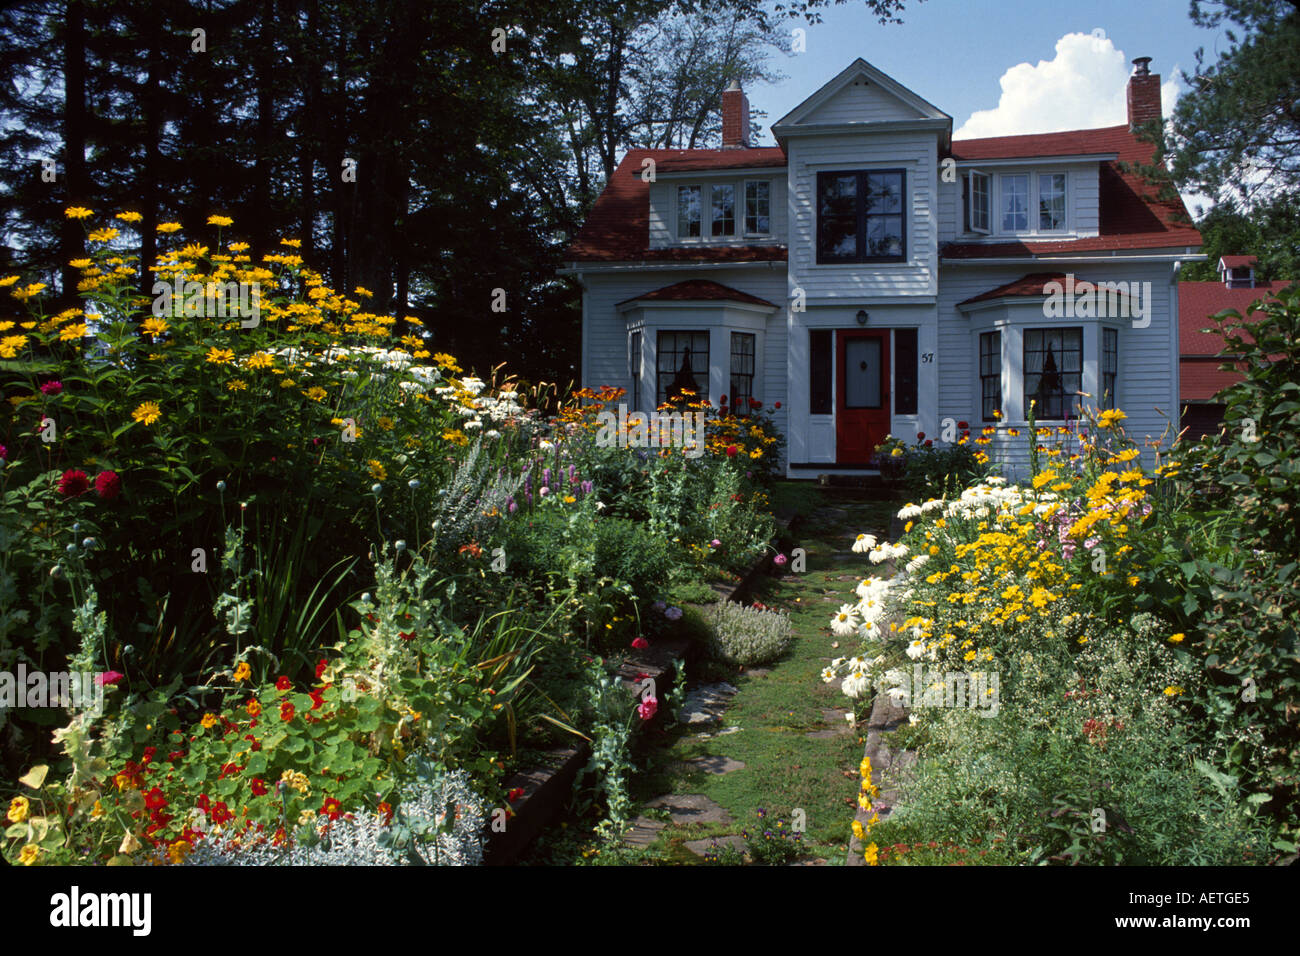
{"type": "Point", "coordinates": [1015, 203]}
{"type": "Point", "coordinates": [990, 375]}
{"type": "Point", "coordinates": [1053, 371]}
{"type": "Point", "coordinates": [683, 363]}
{"type": "Point", "coordinates": [1109, 366]}
{"type": "Point", "coordinates": [742, 371]}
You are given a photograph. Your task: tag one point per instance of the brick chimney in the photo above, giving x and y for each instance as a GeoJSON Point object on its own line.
{"type": "Point", "coordinates": [735, 117]}
{"type": "Point", "coordinates": [1143, 94]}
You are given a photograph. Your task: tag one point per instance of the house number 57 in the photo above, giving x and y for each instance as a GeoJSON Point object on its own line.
{"type": "Point", "coordinates": [927, 356]}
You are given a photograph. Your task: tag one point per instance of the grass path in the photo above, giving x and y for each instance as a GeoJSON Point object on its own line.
{"type": "Point", "coordinates": [784, 724]}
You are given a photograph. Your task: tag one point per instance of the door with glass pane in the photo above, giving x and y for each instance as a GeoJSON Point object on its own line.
{"type": "Point", "coordinates": [862, 395]}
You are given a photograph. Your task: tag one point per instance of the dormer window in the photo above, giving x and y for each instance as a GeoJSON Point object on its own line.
{"type": "Point", "coordinates": [977, 202]}
{"type": "Point", "coordinates": [860, 216]}
{"type": "Point", "coordinates": [758, 207]}
{"type": "Point", "coordinates": [722, 221]}
{"type": "Point", "coordinates": [1051, 202]}
{"type": "Point", "coordinates": [688, 212]}
{"type": "Point", "coordinates": [1015, 203]}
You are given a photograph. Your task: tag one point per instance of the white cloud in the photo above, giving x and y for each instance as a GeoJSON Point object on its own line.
{"type": "Point", "coordinates": [1082, 87]}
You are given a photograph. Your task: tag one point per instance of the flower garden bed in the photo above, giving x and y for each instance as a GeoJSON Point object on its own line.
{"type": "Point", "coordinates": [328, 578]}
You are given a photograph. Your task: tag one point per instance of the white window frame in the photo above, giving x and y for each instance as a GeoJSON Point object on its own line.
{"type": "Point", "coordinates": [677, 212]}
{"type": "Point", "coordinates": [975, 175]}
{"type": "Point", "coordinates": [745, 208]}
{"type": "Point", "coordinates": [1028, 177]}
{"type": "Point", "coordinates": [735, 211]}
{"type": "Point", "coordinates": [1065, 202]}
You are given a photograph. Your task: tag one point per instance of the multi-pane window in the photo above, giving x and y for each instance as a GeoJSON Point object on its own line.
{"type": "Point", "coordinates": [978, 210]}
{"type": "Point", "coordinates": [758, 207]}
{"type": "Point", "coordinates": [990, 375]}
{"type": "Point", "coordinates": [1015, 203]}
{"type": "Point", "coordinates": [683, 364]}
{"type": "Point", "coordinates": [1053, 370]}
{"type": "Point", "coordinates": [860, 216]}
{"type": "Point", "coordinates": [1109, 366]}
{"type": "Point", "coordinates": [1051, 201]}
{"type": "Point", "coordinates": [723, 207]}
{"type": "Point", "coordinates": [689, 211]}
{"type": "Point", "coordinates": [742, 371]}
{"type": "Point", "coordinates": [634, 368]}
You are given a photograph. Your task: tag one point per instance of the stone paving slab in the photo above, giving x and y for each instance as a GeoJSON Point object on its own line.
{"type": "Point", "coordinates": [687, 808]}
{"type": "Point", "coordinates": [714, 764]}
{"type": "Point", "coordinates": [701, 847]}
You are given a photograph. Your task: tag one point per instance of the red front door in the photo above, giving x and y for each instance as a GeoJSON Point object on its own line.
{"type": "Point", "coordinates": [861, 394]}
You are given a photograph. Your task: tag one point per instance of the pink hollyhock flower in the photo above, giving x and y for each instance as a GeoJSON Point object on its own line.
{"type": "Point", "coordinates": [51, 388]}
{"type": "Point", "coordinates": [648, 708]}
{"type": "Point", "coordinates": [715, 543]}
{"type": "Point", "coordinates": [73, 482]}
{"type": "Point", "coordinates": [108, 678]}
{"type": "Point", "coordinates": [640, 643]}
{"type": "Point", "coordinates": [4, 452]}
{"type": "Point", "coordinates": [780, 560]}
{"type": "Point", "coordinates": [108, 485]}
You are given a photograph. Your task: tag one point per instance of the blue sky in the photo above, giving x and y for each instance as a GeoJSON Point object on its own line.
{"type": "Point", "coordinates": [1034, 66]}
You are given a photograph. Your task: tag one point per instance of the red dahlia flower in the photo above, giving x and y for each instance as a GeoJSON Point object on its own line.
{"type": "Point", "coordinates": [73, 483]}
{"type": "Point", "coordinates": [108, 485]}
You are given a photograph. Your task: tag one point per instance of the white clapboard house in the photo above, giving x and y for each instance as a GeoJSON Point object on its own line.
{"type": "Point", "coordinates": [875, 277]}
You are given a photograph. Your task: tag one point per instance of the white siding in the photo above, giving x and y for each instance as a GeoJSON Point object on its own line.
{"type": "Point", "coordinates": [1146, 389]}
{"type": "Point", "coordinates": [860, 102]}
{"type": "Point", "coordinates": [917, 153]}
{"type": "Point", "coordinates": [1081, 196]}
{"type": "Point", "coordinates": [605, 343]}
{"type": "Point", "coordinates": [663, 211]}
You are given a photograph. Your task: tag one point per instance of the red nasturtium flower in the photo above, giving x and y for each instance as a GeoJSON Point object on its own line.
{"type": "Point", "coordinates": [108, 485]}
{"type": "Point", "coordinates": [317, 698]}
{"type": "Point", "coordinates": [220, 813]}
{"type": "Point", "coordinates": [258, 786]}
{"type": "Point", "coordinates": [515, 794]}
{"type": "Point", "coordinates": [640, 643]}
{"type": "Point", "coordinates": [331, 808]}
{"type": "Point", "coordinates": [386, 811]}
{"type": "Point", "coordinates": [286, 711]}
{"type": "Point", "coordinates": [283, 683]}
{"type": "Point", "coordinates": [73, 483]}
{"type": "Point", "coordinates": [321, 666]}
{"type": "Point", "coordinates": [253, 707]}
{"type": "Point", "coordinates": [154, 799]}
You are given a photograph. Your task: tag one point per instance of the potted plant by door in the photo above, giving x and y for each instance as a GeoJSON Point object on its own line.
{"type": "Point", "coordinates": [891, 458]}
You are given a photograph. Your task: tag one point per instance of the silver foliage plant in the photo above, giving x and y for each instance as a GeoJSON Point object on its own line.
{"type": "Point", "coordinates": [440, 821]}
{"type": "Point", "coordinates": [747, 636]}
{"type": "Point", "coordinates": [474, 496]}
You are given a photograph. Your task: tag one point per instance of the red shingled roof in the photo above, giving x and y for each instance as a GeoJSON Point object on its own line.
{"type": "Point", "coordinates": [1131, 217]}
{"type": "Point", "coordinates": [1030, 285]}
{"type": "Point", "coordinates": [1198, 368]}
{"type": "Point", "coordinates": [618, 227]}
{"type": "Point", "coordinates": [699, 290]}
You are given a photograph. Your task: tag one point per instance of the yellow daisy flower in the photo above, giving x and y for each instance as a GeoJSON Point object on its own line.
{"type": "Point", "coordinates": [147, 413]}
